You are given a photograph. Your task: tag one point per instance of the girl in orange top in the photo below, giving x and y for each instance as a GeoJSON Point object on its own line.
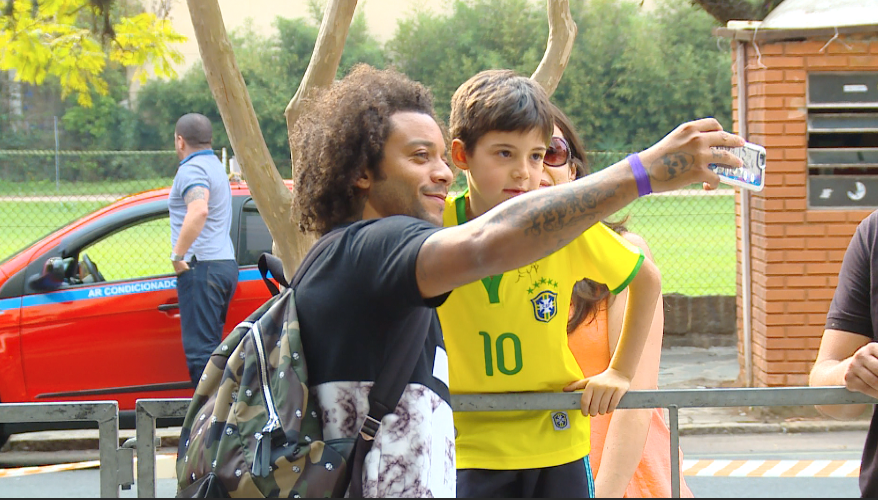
{"type": "Point", "coordinates": [630, 449]}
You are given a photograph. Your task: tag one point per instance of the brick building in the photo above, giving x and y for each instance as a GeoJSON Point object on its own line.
{"type": "Point", "coordinates": [805, 86]}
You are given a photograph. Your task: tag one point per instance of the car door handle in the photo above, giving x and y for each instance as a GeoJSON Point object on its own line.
{"type": "Point", "coordinates": [168, 307]}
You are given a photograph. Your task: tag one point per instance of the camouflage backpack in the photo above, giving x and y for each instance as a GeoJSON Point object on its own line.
{"type": "Point", "coordinates": [251, 429]}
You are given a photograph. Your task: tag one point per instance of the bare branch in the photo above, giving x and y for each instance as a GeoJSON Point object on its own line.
{"type": "Point", "coordinates": [562, 34]}
{"type": "Point", "coordinates": [325, 59]}
{"type": "Point", "coordinates": [272, 197]}
{"type": "Point", "coordinates": [320, 74]}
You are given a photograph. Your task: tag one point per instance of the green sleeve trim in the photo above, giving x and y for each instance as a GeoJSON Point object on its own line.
{"type": "Point", "coordinates": [631, 276]}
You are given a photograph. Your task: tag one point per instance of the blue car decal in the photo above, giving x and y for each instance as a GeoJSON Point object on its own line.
{"type": "Point", "coordinates": [109, 290]}
{"type": "Point", "coordinates": [13, 303]}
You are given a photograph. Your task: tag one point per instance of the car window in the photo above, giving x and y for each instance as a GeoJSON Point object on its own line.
{"type": "Point", "coordinates": [254, 238]}
{"type": "Point", "coordinates": [134, 252]}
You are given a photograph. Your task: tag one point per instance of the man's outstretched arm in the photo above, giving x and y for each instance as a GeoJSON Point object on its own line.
{"type": "Point", "coordinates": [529, 227]}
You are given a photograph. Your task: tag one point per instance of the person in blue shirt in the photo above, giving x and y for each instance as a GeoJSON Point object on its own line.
{"type": "Point", "coordinates": [202, 254]}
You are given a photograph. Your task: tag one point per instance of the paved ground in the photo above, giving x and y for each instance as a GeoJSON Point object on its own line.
{"type": "Point", "coordinates": [681, 368]}
{"type": "Point", "coordinates": [695, 367]}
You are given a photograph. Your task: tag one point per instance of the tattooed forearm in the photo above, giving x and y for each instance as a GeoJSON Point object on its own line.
{"type": "Point", "coordinates": [552, 221]}
{"type": "Point", "coordinates": [573, 207]}
{"type": "Point", "coordinates": [521, 231]}
{"type": "Point", "coordinates": [195, 193]}
{"type": "Point", "coordinates": [671, 166]}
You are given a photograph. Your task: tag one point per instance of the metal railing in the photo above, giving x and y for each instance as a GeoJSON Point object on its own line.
{"type": "Point", "coordinates": [117, 464]}
{"type": "Point", "coordinates": [148, 410]}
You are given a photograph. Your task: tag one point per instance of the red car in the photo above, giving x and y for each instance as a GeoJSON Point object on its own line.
{"type": "Point", "coordinates": [90, 311]}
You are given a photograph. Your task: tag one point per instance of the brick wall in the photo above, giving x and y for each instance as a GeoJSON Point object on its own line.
{"type": "Point", "coordinates": [796, 253]}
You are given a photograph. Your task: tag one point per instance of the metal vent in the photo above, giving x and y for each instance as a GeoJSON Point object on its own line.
{"type": "Point", "coordinates": [843, 140]}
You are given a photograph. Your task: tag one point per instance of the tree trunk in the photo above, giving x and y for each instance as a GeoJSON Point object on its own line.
{"type": "Point", "coordinates": [273, 199]}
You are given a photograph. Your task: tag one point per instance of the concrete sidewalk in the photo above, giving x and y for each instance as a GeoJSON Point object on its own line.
{"type": "Point", "coordinates": [681, 368]}
{"type": "Point", "coordinates": [695, 367]}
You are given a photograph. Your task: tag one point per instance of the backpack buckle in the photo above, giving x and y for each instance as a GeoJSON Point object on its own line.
{"type": "Point", "coordinates": [369, 428]}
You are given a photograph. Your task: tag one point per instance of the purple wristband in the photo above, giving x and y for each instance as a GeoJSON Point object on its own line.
{"type": "Point", "coordinates": [644, 187]}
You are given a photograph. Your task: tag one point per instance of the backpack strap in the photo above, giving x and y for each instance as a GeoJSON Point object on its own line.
{"type": "Point", "coordinates": [397, 371]}
{"type": "Point", "coordinates": [388, 389]}
{"type": "Point", "coordinates": [269, 263]}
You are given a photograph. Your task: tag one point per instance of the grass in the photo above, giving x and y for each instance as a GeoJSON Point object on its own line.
{"type": "Point", "coordinates": [24, 222]}
{"type": "Point", "coordinates": [692, 237]}
{"type": "Point", "coordinates": [64, 188]}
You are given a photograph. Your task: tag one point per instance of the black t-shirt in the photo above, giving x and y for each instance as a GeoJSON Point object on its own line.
{"type": "Point", "coordinates": [854, 309]}
{"type": "Point", "coordinates": [350, 303]}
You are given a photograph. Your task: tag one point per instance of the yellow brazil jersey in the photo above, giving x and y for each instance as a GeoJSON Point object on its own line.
{"type": "Point", "coordinates": [508, 333]}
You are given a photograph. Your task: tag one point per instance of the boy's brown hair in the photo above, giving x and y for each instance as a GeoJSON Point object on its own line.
{"type": "Point", "coordinates": [499, 100]}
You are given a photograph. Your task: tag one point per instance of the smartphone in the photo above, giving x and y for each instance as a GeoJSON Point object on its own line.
{"type": "Point", "coordinates": [751, 175]}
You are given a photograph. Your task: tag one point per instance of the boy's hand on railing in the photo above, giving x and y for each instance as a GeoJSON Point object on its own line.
{"type": "Point", "coordinates": [602, 392]}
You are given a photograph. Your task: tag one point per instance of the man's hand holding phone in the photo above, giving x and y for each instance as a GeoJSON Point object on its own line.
{"type": "Point", "coordinates": [683, 157]}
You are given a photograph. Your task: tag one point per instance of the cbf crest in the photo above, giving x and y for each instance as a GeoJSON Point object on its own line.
{"type": "Point", "coordinates": [545, 305]}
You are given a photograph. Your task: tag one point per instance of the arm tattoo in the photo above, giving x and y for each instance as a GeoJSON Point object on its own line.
{"type": "Point", "coordinates": [195, 193]}
{"type": "Point", "coordinates": [554, 217]}
{"type": "Point", "coordinates": [676, 164]}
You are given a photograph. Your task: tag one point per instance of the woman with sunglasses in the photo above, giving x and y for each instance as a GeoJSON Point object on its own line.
{"type": "Point", "coordinates": [629, 448]}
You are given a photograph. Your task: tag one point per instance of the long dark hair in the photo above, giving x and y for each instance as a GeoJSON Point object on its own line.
{"type": "Point", "coordinates": [588, 295]}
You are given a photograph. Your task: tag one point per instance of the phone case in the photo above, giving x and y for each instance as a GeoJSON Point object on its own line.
{"type": "Point", "coordinates": [752, 175]}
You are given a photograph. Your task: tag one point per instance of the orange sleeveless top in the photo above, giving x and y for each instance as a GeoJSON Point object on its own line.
{"type": "Point", "coordinates": [590, 345]}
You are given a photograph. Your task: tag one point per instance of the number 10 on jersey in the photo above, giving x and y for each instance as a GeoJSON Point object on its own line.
{"type": "Point", "coordinates": [502, 347]}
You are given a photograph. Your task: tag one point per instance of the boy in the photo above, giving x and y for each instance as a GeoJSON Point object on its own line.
{"type": "Point", "coordinates": [508, 332]}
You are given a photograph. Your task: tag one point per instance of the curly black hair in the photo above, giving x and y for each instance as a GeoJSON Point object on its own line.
{"type": "Point", "coordinates": [341, 133]}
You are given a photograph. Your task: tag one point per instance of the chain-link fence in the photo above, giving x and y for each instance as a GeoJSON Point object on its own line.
{"type": "Point", "coordinates": [691, 233]}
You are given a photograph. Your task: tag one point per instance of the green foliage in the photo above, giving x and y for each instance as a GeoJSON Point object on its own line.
{"type": "Point", "coordinates": [632, 78]}
{"type": "Point", "coordinates": [105, 125]}
{"type": "Point", "coordinates": [443, 51]}
{"type": "Point", "coordinates": [58, 39]}
{"type": "Point", "coordinates": [360, 46]}
{"type": "Point", "coordinates": [161, 102]}
{"type": "Point", "coordinates": [272, 67]}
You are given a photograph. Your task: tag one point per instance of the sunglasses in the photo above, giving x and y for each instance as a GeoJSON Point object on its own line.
{"type": "Point", "coordinates": [558, 153]}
